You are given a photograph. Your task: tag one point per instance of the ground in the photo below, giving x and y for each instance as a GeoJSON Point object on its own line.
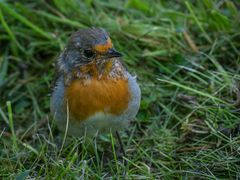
{"type": "Point", "coordinates": [187, 58]}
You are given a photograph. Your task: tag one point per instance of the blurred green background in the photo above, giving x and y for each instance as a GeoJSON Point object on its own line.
{"type": "Point", "coordinates": [186, 55]}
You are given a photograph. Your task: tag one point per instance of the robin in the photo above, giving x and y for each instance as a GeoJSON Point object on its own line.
{"type": "Point", "coordinates": [93, 93]}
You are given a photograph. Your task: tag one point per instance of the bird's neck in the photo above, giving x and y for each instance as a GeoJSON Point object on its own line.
{"type": "Point", "coordinates": [96, 70]}
{"type": "Point", "coordinates": [99, 70]}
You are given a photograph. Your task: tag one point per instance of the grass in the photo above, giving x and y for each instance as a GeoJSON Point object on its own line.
{"type": "Point", "coordinates": [187, 58]}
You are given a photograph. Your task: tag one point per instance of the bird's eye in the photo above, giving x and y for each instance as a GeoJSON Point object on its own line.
{"type": "Point", "coordinates": [88, 53]}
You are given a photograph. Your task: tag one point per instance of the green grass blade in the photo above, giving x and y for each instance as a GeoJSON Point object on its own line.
{"type": "Point", "coordinates": [197, 21]}
{"type": "Point", "coordinates": [192, 90]}
{"type": "Point", "coordinates": [25, 21]}
{"type": "Point", "coordinates": [10, 119]}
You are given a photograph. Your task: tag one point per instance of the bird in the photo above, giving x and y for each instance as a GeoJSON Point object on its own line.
{"type": "Point", "coordinates": [93, 91]}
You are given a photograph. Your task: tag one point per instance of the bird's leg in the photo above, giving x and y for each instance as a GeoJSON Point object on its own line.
{"type": "Point", "coordinates": [121, 144]}
{"type": "Point", "coordinates": [125, 163]}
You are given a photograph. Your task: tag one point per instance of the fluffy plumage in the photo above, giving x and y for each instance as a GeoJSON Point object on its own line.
{"type": "Point", "coordinates": [93, 90]}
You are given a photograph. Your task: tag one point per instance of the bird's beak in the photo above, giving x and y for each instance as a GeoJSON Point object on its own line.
{"type": "Point", "coordinates": [113, 53]}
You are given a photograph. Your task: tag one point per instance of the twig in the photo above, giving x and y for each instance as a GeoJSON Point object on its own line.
{"type": "Point", "coordinates": [189, 149]}
{"type": "Point", "coordinates": [190, 42]}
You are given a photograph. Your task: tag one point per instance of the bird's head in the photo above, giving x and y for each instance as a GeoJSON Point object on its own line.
{"type": "Point", "coordinates": [86, 46]}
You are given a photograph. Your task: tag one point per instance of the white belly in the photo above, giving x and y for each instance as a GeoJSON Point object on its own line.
{"type": "Point", "coordinates": [98, 123]}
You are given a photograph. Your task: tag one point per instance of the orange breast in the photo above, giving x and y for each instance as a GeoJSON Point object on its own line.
{"type": "Point", "coordinates": [87, 97]}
